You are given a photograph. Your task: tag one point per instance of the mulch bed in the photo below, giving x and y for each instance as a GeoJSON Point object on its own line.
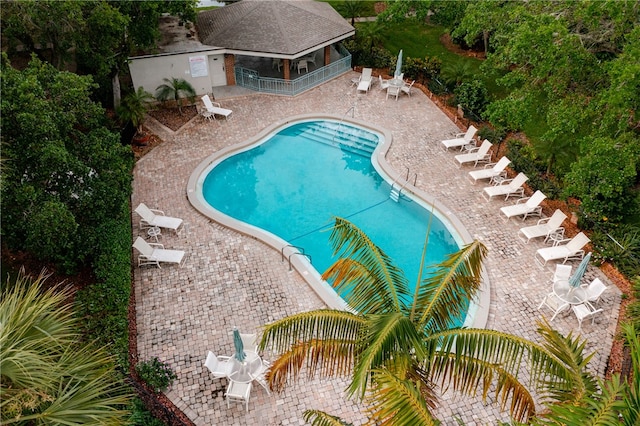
{"type": "Point", "coordinates": [172, 117]}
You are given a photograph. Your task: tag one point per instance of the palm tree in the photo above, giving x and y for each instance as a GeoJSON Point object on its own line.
{"type": "Point", "coordinates": [175, 89]}
{"type": "Point", "coordinates": [397, 346]}
{"type": "Point", "coordinates": [351, 9]}
{"type": "Point", "coordinates": [134, 108]}
{"type": "Point", "coordinates": [48, 375]}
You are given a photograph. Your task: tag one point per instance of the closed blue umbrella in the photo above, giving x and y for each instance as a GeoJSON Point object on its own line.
{"type": "Point", "coordinates": [575, 279]}
{"type": "Point", "coordinates": [237, 342]}
{"type": "Point", "coordinates": [398, 65]}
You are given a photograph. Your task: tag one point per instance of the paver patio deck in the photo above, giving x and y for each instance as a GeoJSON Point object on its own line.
{"type": "Point", "coordinates": [233, 280]}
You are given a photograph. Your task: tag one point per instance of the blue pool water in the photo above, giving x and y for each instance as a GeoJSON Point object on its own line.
{"type": "Point", "coordinates": [297, 180]}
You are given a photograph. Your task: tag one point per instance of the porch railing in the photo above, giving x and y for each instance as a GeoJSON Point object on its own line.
{"type": "Point", "coordinates": [251, 80]}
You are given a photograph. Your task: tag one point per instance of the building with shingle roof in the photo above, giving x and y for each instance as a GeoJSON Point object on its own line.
{"type": "Point", "coordinates": [252, 31]}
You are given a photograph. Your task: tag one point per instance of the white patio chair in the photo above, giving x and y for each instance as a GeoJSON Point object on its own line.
{"type": "Point", "coordinates": [154, 254]}
{"type": "Point", "coordinates": [393, 91]}
{"type": "Point", "coordinates": [302, 64]}
{"type": "Point", "coordinates": [476, 155]}
{"type": "Point", "coordinates": [524, 207]}
{"type": "Point", "coordinates": [461, 139]}
{"type": "Point", "coordinates": [260, 376]}
{"type": "Point", "coordinates": [544, 228]}
{"type": "Point", "coordinates": [490, 171]}
{"type": "Point", "coordinates": [562, 273]}
{"type": "Point", "coordinates": [153, 217]}
{"type": "Point", "coordinates": [276, 62]}
{"type": "Point", "coordinates": [249, 341]}
{"type": "Point", "coordinates": [407, 88]}
{"type": "Point", "coordinates": [573, 249]}
{"type": "Point", "coordinates": [508, 188]}
{"type": "Point", "coordinates": [594, 290]}
{"type": "Point", "coordinates": [219, 366]}
{"type": "Point", "coordinates": [383, 83]}
{"type": "Point", "coordinates": [237, 391]}
{"type": "Point", "coordinates": [554, 303]}
{"type": "Point", "coordinates": [584, 311]}
{"type": "Point", "coordinates": [215, 108]}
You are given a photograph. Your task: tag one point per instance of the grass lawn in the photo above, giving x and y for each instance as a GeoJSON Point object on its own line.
{"type": "Point", "coordinates": [419, 40]}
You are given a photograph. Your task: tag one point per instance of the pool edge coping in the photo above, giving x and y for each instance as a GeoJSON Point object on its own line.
{"type": "Point", "coordinates": [481, 304]}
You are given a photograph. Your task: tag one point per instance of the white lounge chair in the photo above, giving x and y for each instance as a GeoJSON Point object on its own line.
{"type": "Point", "coordinates": [383, 83]}
{"type": "Point", "coordinates": [585, 311]}
{"type": "Point", "coordinates": [525, 207]}
{"type": "Point", "coordinates": [554, 303]}
{"type": "Point", "coordinates": [154, 254]}
{"type": "Point", "coordinates": [153, 217]}
{"type": "Point", "coordinates": [594, 290]}
{"type": "Point", "coordinates": [365, 80]}
{"type": "Point", "coordinates": [219, 366]}
{"type": "Point", "coordinates": [407, 88]}
{"type": "Point", "coordinates": [571, 250]}
{"type": "Point", "coordinates": [476, 155]}
{"type": "Point", "coordinates": [490, 171]}
{"type": "Point", "coordinates": [508, 188]}
{"type": "Point", "coordinates": [461, 139]}
{"type": "Point", "coordinates": [544, 227]}
{"type": "Point", "coordinates": [214, 108]}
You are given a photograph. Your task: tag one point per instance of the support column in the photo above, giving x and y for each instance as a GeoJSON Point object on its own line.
{"type": "Point", "coordinates": [229, 69]}
{"type": "Point", "coordinates": [287, 69]}
{"type": "Point", "coordinates": [327, 55]}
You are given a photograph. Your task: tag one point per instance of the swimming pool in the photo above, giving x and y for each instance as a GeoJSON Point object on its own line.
{"type": "Point", "coordinates": [270, 184]}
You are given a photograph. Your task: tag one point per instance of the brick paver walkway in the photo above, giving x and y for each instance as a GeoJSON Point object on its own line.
{"type": "Point", "coordinates": [234, 280]}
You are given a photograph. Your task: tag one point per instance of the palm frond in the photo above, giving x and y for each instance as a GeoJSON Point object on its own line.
{"type": "Point", "coordinates": [468, 359]}
{"type": "Point", "coordinates": [388, 281]}
{"type": "Point", "coordinates": [320, 418]}
{"type": "Point", "coordinates": [387, 336]}
{"type": "Point", "coordinates": [569, 351]}
{"type": "Point", "coordinates": [398, 402]}
{"type": "Point", "coordinates": [444, 295]}
{"type": "Point", "coordinates": [600, 409]}
{"type": "Point", "coordinates": [632, 397]}
{"type": "Point", "coordinates": [325, 339]}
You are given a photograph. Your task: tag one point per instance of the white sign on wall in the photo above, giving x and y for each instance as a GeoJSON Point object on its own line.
{"type": "Point", "coordinates": [198, 66]}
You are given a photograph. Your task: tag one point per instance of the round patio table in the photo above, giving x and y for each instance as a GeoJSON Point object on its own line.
{"type": "Point", "coordinates": [245, 371]}
{"type": "Point", "coordinates": [568, 293]}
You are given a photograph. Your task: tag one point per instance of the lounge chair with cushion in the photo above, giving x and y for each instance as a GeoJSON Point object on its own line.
{"type": "Point", "coordinates": [476, 155]}
{"type": "Point", "coordinates": [544, 228]}
{"type": "Point", "coordinates": [154, 254]}
{"type": "Point", "coordinates": [573, 249]}
{"type": "Point", "coordinates": [461, 139]}
{"type": "Point", "coordinates": [365, 80]}
{"type": "Point", "coordinates": [153, 217]}
{"type": "Point", "coordinates": [214, 107]}
{"type": "Point", "coordinates": [524, 207]}
{"type": "Point", "coordinates": [490, 171]}
{"type": "Point", "coordinates": [508, 188]}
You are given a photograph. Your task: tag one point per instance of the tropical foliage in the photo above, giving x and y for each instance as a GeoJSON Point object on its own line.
{"type": "Point", "coordinates": [49, 376]}
{"type": "Point", "coordinates": [175, 89]}
{"type": "Point", "coordinates": [397, 345]}
{"type": "Point", "coordinates": [134, 108]}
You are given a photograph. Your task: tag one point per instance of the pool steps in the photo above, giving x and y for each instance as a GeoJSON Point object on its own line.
{"type": "Point", "coordinates": [341, 136]}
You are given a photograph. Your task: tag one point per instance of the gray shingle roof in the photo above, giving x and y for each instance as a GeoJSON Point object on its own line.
{"type": "Point", "coordinates": [272, 26]}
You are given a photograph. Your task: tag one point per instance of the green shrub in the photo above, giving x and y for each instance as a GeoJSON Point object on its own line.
{"type": "Point", "coordinates": [363, 55]}
{"type": "Point", "coordinates": [157, 374]}
{"type": "Point", "coordinates": [473, 97]}
{"type": "Point", "coordinates": [140, 416]}
{"type": "Point", "coordinates": [620, 245]}
{"type": "Point", "coordinates": [422, 69]}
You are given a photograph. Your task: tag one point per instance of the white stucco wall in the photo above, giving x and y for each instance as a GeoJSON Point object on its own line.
{"type": "Point", "coordinates": [149, 71]}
